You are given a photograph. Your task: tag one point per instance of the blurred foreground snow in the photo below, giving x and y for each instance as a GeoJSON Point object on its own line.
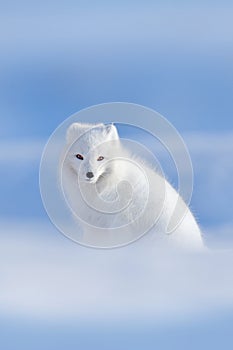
{"type": "Point", "coordinates": [46, 276]}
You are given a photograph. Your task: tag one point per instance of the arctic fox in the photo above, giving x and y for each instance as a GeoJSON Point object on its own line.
{"type": "Point", "coordinates": [115, 196]}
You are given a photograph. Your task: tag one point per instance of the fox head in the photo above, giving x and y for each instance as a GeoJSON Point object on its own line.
{"type": "Point", "coordinates": [90, 148]}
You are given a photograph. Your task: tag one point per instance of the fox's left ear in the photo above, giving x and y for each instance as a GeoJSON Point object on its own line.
{"type": "Point", "coordinates": [73, 132]}
{"type": "Point", "coordinates": [111, 132]}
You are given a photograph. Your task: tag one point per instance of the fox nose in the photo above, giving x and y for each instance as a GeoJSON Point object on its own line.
{"type": "Point", "coordinates": [89, 174]}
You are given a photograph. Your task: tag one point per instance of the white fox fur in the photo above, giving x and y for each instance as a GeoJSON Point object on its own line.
{"type": "Point", "coordinates": [115, 196]}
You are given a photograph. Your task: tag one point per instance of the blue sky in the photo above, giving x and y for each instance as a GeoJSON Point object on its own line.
{"type": "Point", "coordinates": [59, 57]}
{"type": "Point", "coordinates": [173, 57]}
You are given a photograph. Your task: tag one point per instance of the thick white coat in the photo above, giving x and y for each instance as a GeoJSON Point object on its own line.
{"type": "Point", "coordinates": [125, 198]}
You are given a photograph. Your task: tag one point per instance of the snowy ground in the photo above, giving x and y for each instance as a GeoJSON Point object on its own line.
{"type": "Point", "coordinates": [55, 292]}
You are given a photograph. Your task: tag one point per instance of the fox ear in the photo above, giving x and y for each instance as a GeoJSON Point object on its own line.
{"type": "Point", "coordinates": [73, 132]}
{"type": "Point", "coordinates": [111, 131]}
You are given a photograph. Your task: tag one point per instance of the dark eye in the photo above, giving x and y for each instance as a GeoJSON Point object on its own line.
{"type": "Point", "coordinates": [79, 156]}
{"type": "Point", "coordinates": [100, 158]}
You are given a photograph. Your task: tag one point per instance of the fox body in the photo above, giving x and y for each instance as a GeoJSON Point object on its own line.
{"type": "Point", "coordinates": [115, 196]}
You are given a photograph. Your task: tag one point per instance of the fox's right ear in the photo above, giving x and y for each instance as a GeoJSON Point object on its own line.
{"type": "Point", "coordinates": [73, 132]}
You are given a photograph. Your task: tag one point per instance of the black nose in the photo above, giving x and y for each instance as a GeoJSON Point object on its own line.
{"type": "Point", "coordinates": [89, 174]}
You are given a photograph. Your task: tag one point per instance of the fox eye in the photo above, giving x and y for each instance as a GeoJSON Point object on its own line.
{"type": "Point", "coordinates": [79, 156]}
{"type": "Point", "coordinates": [100, 158]}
